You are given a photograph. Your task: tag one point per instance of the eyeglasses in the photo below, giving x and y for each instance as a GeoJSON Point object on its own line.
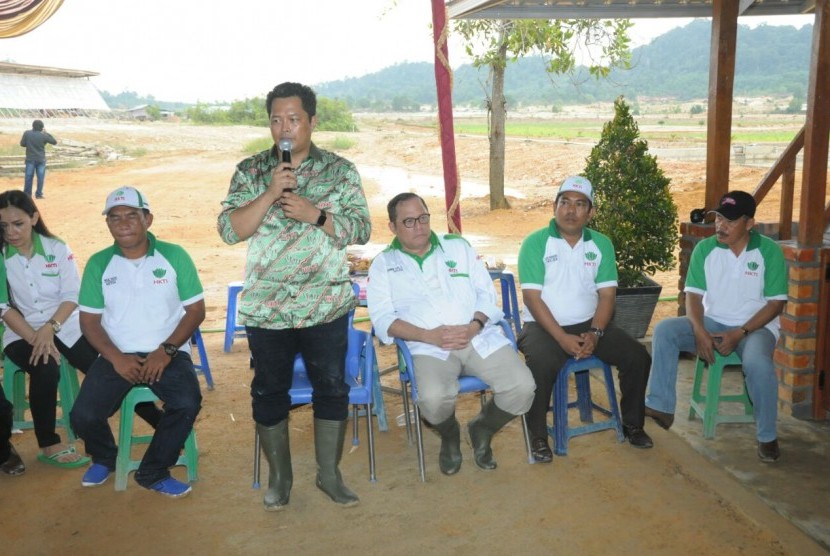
{"type": "Point", "coordinates": [410, 222]}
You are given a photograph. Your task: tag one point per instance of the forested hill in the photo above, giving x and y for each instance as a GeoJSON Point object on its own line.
{"type": "Point", "coordinates": [770, 60]}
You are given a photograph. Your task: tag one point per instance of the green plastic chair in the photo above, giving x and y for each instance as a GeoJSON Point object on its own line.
{"type": "Point", "coordinates": [706, 406]}
{"type": "Point", "coordinates": [124, 462]}
{"type": "Point", "coordinates": [14, 383]}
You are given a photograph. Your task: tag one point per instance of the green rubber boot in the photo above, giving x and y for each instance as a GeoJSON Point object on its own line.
{"type": "Point", "coordinates": [482, 428]}
{"type": "Point", "coordinates": [449, 460]}
{"type": "Point", "coordinates": [328, 446]}
{"type": "Point", "coordinates": [274, 441]}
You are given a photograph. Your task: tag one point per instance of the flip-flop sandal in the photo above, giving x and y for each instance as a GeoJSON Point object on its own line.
{"type": "Point", "coordinates": [54, 459]}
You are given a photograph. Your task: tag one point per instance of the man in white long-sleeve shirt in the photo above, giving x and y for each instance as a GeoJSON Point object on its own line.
{"type": "Point", "coordinates": [435, 293]}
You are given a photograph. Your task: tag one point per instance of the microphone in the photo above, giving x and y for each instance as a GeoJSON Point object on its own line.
{"type": "Point", "coordinates": [285, 146]}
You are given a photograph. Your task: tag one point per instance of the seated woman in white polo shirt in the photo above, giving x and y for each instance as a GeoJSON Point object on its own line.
{"type": "Point", "coordinates": [42, 323]}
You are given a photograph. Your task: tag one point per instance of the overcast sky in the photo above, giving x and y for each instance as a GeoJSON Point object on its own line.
{"type": "Point", "coordinates": [196, 50]}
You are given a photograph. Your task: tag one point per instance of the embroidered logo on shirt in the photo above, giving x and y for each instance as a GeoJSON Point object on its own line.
{"type": "Point", "coordinates": [752, 269]}
{"type": "Point", "coordinates": [159, 273]}
{"type": "Point", "coordinates": [551, 258]}
{"type": "Point", "coordinates": [50, 263]}
{"type": "Point", "coordinates": [110, 281]}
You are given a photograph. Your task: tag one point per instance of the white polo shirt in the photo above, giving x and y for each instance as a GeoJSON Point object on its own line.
{"type": "Point", "coordinates": [568, 277]}
{"type": "Point", "coordinates": [141, 301]}
{"type": "Point", "coordinates": [734, 288]}
{"type": "Point", "coordinates": [39, 285]}
{"type": "Point", "coordinates": [444, 287]}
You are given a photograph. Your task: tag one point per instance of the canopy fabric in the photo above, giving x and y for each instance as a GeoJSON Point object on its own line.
{"type": "Point", "coordinates": [18, 17]}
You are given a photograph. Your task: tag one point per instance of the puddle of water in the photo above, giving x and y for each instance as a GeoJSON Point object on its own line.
{"type": "Point", "coordinates": [392, 180]}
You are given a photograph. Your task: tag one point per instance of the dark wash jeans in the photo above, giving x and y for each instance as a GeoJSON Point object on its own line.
{"type": "Point", "coordinates": [43, 382]}
{"type": "Point", "coordinates": [323, 348]}
{"type": "Point", "coordinates": [102, 392]}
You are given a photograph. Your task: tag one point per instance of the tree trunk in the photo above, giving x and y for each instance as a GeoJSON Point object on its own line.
{"type": "Point", "coordinates": [497, 114]}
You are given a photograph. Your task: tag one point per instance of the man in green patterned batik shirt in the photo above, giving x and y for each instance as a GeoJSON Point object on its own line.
{"type": "Point", "coordinates": [298, 207]}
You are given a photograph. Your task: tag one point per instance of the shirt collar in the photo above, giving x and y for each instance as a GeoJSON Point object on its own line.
{"type": "Point", "coordinates": [434, 243]}
{"type": "Point", "coordinates": [37, 247]}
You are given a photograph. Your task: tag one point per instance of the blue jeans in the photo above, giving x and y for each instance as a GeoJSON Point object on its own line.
{"type": "Point", "coordinates": [31, 168]}
{"type": "Point", "coordinates": [671, 336]}
{"type": "Point", "coordinates": [102, 392]}
{"type": "Point", "coordinates": [323, 348]}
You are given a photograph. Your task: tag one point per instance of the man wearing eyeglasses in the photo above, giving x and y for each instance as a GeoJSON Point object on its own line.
{"type": "Point", "coordinates": [568, 274]}
{"type": "Point", "coordinates": [298, 207]}
{"type": "Point", "coordinates": [736, 288]}
{"type": "Point", "coordinates": [435, 293]}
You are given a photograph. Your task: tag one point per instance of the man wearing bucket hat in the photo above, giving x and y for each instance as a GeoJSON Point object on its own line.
{"type": "Point", "coordinates": [140, 300]}
{"type": "Point", "coordinates": [736, 288]}
{"type": "Point", "coordinates": [568, 274]}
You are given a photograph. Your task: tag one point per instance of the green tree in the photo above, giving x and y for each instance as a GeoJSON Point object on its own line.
{"type": "Point", "coordinates": [334, 115]}
{"type": "Point", "coordinates": [634, 204]}
{"type": "Point", "coordinates": [492, 43]}
{"type": "Point", "coordinates": [154, 112]}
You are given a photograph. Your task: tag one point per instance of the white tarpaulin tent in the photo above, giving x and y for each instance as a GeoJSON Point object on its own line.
{"type": "Point", "coordinates": [26, 90]}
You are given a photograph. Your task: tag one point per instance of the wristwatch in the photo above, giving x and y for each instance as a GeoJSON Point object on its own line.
{"type": "Point", "coordinates": [56, 326]}
{"type": "Point", "coordinates": [321, 221]}
{"type": "Point", "coordinates": [170, 349]}
{"type": "Point", "coordinates": [598, 332]}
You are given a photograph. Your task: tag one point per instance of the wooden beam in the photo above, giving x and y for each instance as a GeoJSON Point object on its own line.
{"type": "Point", "coordinates": [721, 83]}
{"type": "Point", "coordinates": [817, 125]}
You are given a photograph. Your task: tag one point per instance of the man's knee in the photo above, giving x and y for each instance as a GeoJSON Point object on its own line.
{"type": "Point", "coordinates": [436, 409]}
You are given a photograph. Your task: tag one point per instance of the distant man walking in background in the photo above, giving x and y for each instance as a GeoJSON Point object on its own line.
{"type": "Point", "coordinates": [34, 141]}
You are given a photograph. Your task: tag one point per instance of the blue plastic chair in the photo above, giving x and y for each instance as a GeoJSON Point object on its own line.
{"type": "Point", "coordinates": [232, 330]}
{"type": "Point", "coordinates": [509, 298]}
{"type": "Point", "coordinates": [361, 367]}
{"type": "Point", "coordinates": [561, 432]}
{"type": "Point", "coordinates": [203, 366]}
{"type": "Point", "coordinates": [466, 384]}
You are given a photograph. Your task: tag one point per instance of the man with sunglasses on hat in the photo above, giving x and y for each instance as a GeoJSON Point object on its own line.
{"type": "Point", "coordinates": [435, 293]}
{"type": "Point", "coordinates": [736, 287]}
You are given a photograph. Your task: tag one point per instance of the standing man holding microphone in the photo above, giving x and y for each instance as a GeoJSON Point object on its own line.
{"type": "Point", "coordinates": [298, 207]}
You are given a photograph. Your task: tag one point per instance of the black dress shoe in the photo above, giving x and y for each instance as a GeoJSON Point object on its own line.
{"type": "Point", "coordinates": [540, 451]}
{"type": "Point", "coordinates": [769, 451]}
{"type": "Point", "coordinates": [637, 437]}
{"type": "Point", "coordinates": [13, 465]}
{"type": "Point", "coordinates": [665, 420]}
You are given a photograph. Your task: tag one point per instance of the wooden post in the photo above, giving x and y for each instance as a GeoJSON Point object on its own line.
{"type": "Point", "coordinates": [443, 83]}
{"type": "Point", "coordinates": [721, 83]}
{"type": "Point", "coordinates": [817, 125]}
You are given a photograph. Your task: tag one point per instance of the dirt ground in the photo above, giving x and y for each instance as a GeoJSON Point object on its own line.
{"type": "Point", "coordinates": [604, 497]}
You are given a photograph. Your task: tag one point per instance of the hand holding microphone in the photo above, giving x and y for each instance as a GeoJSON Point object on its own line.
{"type": "Point", "coordinates": [282, 178]}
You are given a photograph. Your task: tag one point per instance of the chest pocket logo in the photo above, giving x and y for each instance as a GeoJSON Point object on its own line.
{"type": "Point", "coordinates": [160, 274]}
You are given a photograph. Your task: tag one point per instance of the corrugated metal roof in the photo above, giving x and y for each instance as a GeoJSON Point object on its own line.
{"type": "Point", "coordinates": [29, 88]}
{"type": "Point", "coordinates": [611, 9]}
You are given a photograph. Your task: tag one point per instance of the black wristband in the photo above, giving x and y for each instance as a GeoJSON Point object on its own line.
{"type": "Point", "coordinates": [479, 321]}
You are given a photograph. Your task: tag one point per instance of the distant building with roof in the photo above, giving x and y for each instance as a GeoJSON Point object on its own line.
{"type": "Point", "coordinates": [32, 91]}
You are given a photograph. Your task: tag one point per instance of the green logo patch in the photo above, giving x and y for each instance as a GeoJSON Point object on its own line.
{"type": "Point", "coordinates": [752, 266]}
{"type": "Point", "coordinates": [50, 258]}
{"type": "Point", "coordinates": [159, 272]}
{"type": "Point", "coordinates": [451, 264]}
{"type": "Point", "coordinates": [591, 256]}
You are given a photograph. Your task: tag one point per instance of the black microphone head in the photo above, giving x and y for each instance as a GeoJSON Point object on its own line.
{"type": "Point", "coordinates": [285, 146]}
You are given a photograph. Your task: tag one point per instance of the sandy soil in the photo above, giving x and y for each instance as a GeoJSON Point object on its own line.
{"type": "Point", "coordinates": [604, 497]}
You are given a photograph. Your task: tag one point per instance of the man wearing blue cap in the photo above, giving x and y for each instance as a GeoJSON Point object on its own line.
{"type": "Point", "coordinates": [568, 274]}
{"type": "Point", "coordinates": [736, 287]}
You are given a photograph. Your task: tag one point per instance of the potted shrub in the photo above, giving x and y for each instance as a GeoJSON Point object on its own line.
{"type": "Point", "coordinates": [636, 210]}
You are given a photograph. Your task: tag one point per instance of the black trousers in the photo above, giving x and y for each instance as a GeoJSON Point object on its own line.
{"type": "Point", "coordinates": [545, 358]}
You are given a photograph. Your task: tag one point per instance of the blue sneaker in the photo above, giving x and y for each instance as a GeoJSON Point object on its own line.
{"type": "Point", "coordinates": [96, 475]}
{"type": "Point", "coordinates": [171, 487]}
